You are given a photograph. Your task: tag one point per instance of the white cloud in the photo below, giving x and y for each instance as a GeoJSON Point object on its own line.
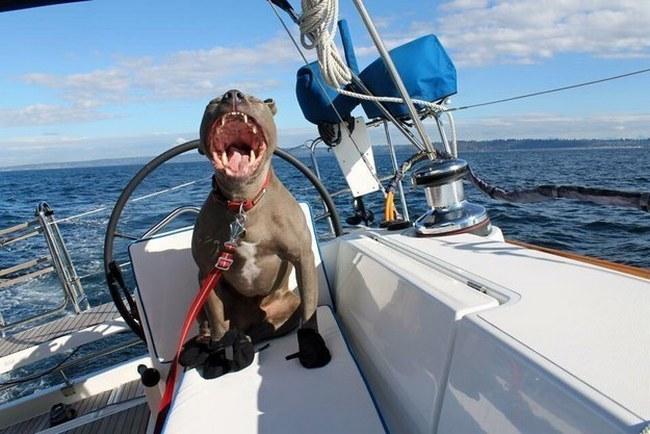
{"type": "Point", "coordinates": [180, 75]}
{"type": "Point", "coordinates": [44, 114]}
{"type": "Point", "coordinates": [50, 148]}
{"type": "Point", "coordinates": [188, 74]}
{"type": "Point", "coordinates": [480, 32]}
{"type": "Point", "coordinates": [523, 31]}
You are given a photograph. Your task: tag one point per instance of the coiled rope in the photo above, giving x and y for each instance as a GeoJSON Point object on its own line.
{"type": "Point", "coordinates": [317, 30]}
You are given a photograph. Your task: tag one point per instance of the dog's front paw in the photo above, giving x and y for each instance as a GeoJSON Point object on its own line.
{"type": "Point", "coordinates": [233, 352]}
{"type": "Point", "coordinates": [195, 352]}
{"type": "Point", "coordinates": [312, 351]}
{"type": "Point", "coordinates": [238, 349]}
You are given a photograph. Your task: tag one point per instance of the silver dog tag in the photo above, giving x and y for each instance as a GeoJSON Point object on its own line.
{"type": "Point", "coordinates": [237, 227]}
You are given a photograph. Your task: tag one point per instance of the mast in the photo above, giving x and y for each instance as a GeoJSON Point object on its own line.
{"type": "Point", "coordinates": [392, 70]}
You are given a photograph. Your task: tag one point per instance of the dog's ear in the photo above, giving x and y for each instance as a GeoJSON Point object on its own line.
{"type": "Point", "coordinates": [271, 105]}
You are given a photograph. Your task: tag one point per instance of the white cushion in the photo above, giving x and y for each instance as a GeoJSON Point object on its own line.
{"type": "Point", "coordinates": [274, 395]}
{"type": "Point", "coordinates": [167, 281]}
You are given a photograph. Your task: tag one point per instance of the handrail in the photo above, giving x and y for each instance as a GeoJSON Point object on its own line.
{"type": "Point", "coordinates": [59, 260]}
{"type": "Point", "coordinates": [169, 218]}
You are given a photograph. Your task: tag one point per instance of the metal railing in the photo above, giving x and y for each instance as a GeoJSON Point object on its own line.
{"type": "Point", "coordinates": [58, 261]}
{"type": "Point", "coordinates": [169, 218]}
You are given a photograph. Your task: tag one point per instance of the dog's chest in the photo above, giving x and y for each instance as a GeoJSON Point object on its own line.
{"type": "Point", "coordinates": [250, 267]}
{"type": "Point", "coordinates": [257, 269]}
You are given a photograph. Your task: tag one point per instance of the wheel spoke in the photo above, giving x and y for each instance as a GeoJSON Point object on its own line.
{"type": "Point", "coordinates": [128, 237]}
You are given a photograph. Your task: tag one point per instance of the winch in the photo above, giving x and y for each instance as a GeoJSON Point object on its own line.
{"type": "Point", "coordinates": [448, 212]}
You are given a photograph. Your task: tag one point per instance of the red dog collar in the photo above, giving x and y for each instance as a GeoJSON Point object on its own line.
{"type": "Point", "coordinates": [237, 205]}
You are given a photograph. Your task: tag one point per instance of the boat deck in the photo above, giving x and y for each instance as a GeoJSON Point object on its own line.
{"type": "Point", "coordinates": [37, 335]}
{"type": "Point", "coordinates": [93, 417]}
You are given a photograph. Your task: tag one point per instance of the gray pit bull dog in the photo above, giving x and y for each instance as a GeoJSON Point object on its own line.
{"type": "Point", "coordinates": [238, 135]}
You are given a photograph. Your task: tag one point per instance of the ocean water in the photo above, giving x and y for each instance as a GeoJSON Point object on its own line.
{"type": "Point", "coordinates": [617, 234]}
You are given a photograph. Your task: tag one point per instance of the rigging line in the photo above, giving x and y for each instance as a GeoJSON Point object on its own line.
{"type": "Point", "coordinates": [338, 115]}
{"type": "Point", "coordinates": [83, 214]}
{"type": "Point", "coordinates": [547, 91]}
{"type": "Point", "coordinates": [137, 199]}
{"type": "Point", "coordinates": [166, 190]}
{"type": "Point", "coordinates": [96, 273]}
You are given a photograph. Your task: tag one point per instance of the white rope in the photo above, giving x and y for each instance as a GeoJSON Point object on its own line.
{"type": "Point", "coordinates": [322, 86]}
{"type": "Point", "coordinates": [454, 139]}
{"type": "Point", "coordinates": [317, 30]}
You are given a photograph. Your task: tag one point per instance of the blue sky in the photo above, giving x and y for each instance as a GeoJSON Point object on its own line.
{"type": "Point", "coordinates": [105, 79]}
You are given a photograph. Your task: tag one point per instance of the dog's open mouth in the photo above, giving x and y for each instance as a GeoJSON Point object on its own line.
{"type": "Point", "coordinates": [237, 144]}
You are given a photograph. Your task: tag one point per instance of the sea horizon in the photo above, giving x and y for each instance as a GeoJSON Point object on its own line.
{"type": "Point", "coordinates": [465, 146]}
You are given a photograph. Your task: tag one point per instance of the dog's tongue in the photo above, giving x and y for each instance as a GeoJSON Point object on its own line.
{"type": "Point", "coordinates": [238, 162]}
{"type": "Point", "coordinates": [234, 160]}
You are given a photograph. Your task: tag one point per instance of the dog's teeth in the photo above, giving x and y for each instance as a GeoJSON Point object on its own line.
{"type": "Point", "coordinates": [245, 118]}
{"type": "Point", "coordinates": [252, 156]}
{"type": "Point", "coordinates": [223, 121]}
{"type": "Point", "coordinates": [254, 129]}
{"type": "Point", "coordinates": [224, 159]}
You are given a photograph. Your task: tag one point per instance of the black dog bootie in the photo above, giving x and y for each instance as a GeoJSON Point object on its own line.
{"type": "Point", "coordinates": [231, 353]}
{"type": "Point", "coordinates": [312, 351]}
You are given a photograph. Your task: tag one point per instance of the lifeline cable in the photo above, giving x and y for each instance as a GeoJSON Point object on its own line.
{"type": "Point", "coordinates": [547, 91]}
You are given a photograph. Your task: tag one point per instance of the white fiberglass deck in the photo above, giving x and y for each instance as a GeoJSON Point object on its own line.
{"type": "Point", "coordinates": [566, 348]}
{"type": "Point", "coordinates": [590, 321]}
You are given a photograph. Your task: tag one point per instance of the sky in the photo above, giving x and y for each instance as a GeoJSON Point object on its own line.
{"type": "Point", "coordinates": [120, 78]}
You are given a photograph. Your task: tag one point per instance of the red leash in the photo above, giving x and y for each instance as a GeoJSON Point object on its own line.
{"type": "Point", "coordinates": [224, 261]}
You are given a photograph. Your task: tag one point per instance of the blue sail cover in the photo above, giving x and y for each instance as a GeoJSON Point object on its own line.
{"type": "Point", "coordinates": [314, 97]}
{"type": "Point", "coordinates": [426, 69]}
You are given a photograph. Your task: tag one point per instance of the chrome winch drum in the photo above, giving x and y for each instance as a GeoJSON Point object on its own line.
{"type": "Point", "coordinates": [448, 212]}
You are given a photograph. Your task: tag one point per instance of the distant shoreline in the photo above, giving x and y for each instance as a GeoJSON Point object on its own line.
{"type": "Point", "coordinates": [504, 145]}
{"type": "Point", "coordinates": [576, 148]}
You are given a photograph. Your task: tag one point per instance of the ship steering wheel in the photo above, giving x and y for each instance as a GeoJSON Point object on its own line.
{"type": "Point", "coordinates": [120, 292]}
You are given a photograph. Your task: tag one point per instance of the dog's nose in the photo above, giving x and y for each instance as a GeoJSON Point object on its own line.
{"type": "Point", "coordinates": [234, 96]}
